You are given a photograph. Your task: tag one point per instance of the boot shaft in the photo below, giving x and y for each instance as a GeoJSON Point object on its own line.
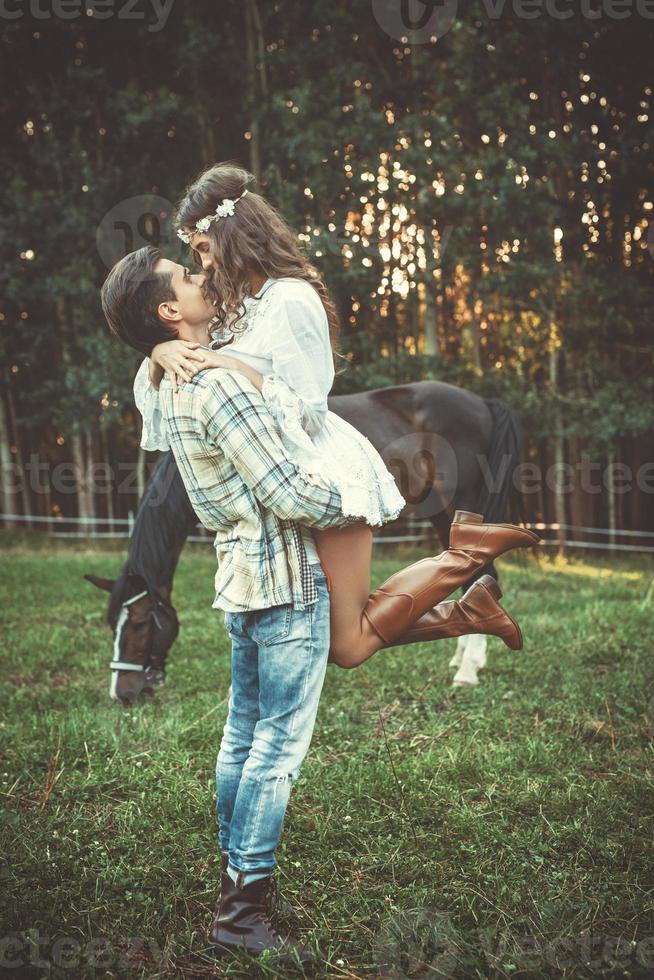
{"type": "Point", "coordinates": [477, 612]}
{"type": "Point", "coordinates": [489, 541]}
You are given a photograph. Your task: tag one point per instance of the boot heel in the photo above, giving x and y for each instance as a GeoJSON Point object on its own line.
{"type": "Point", "coordinates": [491, 585]}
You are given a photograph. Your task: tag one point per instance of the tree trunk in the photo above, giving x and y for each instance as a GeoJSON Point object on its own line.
{"type": "Point", "coordinates": [110, 482]}
{"type": "Point", "coordinates": [257, 82]}
{"type": "Point", "coordinates": [475, 339]}
{"type": "Point", "coordinates": [559, 453]}
{"type": "Point", "coordinates": [82, 460]}
{"type": "Point", "coordinates": [612, 496]}
{"type": "Point", "coordinates": [577, 517]}
{"type": "Point", "coordinates": [637, 457]}
{"type": "Point", "coordinates": [46, 505]}
{"type": "Point", "coordinates": [8, 502]}
{"type": "Point", "coordinates": [427, 314]}
{"type": "Point", "coordinates": [18, 459]}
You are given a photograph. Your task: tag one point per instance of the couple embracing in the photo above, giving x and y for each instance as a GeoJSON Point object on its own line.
{"type": "Point", "coordinates": [240, 359]}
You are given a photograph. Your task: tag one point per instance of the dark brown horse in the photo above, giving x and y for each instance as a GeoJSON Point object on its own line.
{"type": "Point", "coordinates": [447, 448]}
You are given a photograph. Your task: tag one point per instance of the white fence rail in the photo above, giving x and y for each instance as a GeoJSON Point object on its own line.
{"type": "Point", "coordinates": [419, 531]}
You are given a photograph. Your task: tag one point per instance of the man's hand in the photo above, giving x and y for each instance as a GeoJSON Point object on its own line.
{"type": "Point", "coordinates": [179, 358]}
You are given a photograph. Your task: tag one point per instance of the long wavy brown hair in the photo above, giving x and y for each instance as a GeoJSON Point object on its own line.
{"type": "Point", "coordinates": [255, 239]}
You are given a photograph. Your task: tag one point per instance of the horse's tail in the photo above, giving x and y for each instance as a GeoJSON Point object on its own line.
{"type": "Point", "coordinates": [500, 498]}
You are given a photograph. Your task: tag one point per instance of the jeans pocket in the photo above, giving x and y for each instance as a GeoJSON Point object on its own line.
{"type": "Point", "coordinates": [274, 624]}
{"type": "Point", "coordinates": [234, 623]}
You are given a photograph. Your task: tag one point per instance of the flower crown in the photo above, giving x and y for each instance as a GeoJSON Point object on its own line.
{"type": "Point", "coordinates": [224, 210]}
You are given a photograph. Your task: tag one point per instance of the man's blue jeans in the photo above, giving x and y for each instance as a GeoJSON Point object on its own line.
{"type": "Point", "coordinates": [279, 660]}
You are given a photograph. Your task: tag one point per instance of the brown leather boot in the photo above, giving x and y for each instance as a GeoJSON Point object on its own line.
{"type": "Point", "coordinates": [477, 612]}
{"type": "Point", "coordinates": [410, 593]}
{"type": "Point", "coordinates": [276, 904]}
{"type": "Point", "coordinates": [241, 925]}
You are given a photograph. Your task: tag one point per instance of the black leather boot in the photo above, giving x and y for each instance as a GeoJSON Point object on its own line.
{"type": "Point", "coordinates": [242, 925]}
{"type": "Point", "coordinates": [276, 904]}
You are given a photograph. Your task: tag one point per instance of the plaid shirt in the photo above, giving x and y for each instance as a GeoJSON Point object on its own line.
{"type": "Point", "coordinates": [242, 484]}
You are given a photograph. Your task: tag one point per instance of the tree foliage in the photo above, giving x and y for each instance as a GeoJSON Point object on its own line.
{"type": "Point", "coordinates": [480, 205]}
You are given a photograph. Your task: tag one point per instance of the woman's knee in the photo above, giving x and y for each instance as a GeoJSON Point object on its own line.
{"type": "Point", "coordinates": [343, 657]}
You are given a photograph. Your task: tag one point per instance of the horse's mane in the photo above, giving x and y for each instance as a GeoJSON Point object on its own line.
{"type": "Point", "coordinates": [163, 522]}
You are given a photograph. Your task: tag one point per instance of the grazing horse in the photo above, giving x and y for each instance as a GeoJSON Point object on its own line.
{"type": "Point", "coordinates": [448, 450]}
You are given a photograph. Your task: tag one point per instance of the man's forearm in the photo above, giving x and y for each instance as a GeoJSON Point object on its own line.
{"type": "Point", "coordinates": [239, 422]}
{"type": "Point", "coordinates": [297, 498]}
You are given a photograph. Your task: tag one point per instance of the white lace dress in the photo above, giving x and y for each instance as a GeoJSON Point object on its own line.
{"type": "Point", "coordinates": [284, 335]}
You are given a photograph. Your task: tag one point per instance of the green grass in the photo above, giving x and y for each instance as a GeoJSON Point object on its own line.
{"type": "Point", "coordinates": [498, 831]}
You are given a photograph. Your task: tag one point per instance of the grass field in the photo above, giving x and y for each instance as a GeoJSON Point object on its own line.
{"type": "Point", "coordinates": [498, 831]}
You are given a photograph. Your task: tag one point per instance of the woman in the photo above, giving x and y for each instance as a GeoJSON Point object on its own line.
{"type": "Point", "coordinates": [279, 326]}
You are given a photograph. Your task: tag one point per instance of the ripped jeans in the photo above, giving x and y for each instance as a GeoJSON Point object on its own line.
{"type": "Point", "coordinates": [279, 660]}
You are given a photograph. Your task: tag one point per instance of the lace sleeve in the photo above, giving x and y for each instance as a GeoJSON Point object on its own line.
{"type": "Point", "coordinates": [154, 436]}
{"type": "Point", "coordinates": [289, 412]}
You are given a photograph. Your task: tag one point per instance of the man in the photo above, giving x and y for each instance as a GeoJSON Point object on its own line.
{"type": "Point", "coordinates": [269, 582]}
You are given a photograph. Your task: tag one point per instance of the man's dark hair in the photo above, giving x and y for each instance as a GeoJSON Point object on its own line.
{"type": "Point", "coordinates": [131, 295]}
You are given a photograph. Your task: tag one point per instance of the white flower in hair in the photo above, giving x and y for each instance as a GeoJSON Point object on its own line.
{"type": "Point", "coordinates": [224, 210]}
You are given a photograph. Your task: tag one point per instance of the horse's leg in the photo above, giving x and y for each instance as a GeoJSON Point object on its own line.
{"type": "Point", "coordinates": [472, 660]}
{"type": "Point", "coordinates": [460, 651]}
{"type": "Point", "coordinates": [471, 651]}
{"type": "Point", "coordinates": [470, 655]}
{"type": "Point", "coordinates": [442, 523]}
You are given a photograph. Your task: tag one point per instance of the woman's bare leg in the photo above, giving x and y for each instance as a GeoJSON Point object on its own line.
{"type": "Point", "coordinates": [346, 554]}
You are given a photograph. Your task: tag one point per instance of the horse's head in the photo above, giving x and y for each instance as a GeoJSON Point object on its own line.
{"type": "Point", "coordinates": [144, 625]}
